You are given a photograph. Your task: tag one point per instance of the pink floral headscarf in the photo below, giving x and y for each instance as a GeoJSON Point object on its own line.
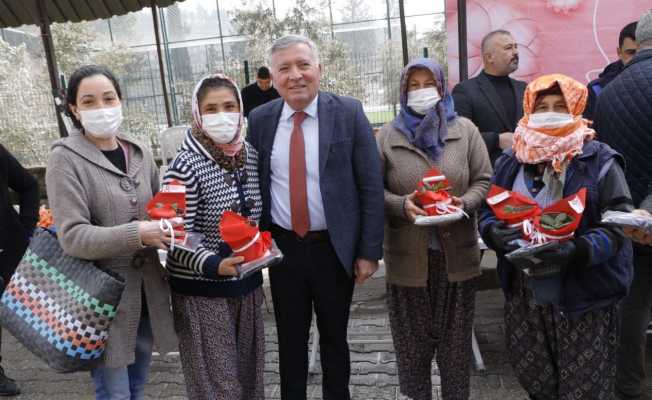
{"type": "Point", "coordinates": [230, 149]}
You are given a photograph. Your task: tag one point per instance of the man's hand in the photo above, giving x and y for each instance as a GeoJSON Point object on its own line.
{"type": "Point", "coordinates": [505, 140]}
{"type": "Point", "coordinates": [364, 269]}
{"type": "Point", "coordinates": [637, 235]}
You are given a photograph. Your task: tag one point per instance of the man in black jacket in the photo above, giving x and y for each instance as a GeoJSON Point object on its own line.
{"type": "Point", "coordinates": [627, 47]}
{"type": "Point", "coordinates": [259, 92]}
{"type": "Point", "coordinates": [623, 119]}
{"type": "Point", "coordinates": [15, 228]}
{"type": "Point", "coordinates": [493, 100]}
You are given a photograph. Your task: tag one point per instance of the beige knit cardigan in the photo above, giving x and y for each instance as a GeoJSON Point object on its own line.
{"type": "Point", "coordinates": [466, 164]}
{"type": "Point", "coordinates": [96, 209]}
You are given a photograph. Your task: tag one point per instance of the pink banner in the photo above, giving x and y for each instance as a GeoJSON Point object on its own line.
{"type": "Point", "coordinates": [574, 37]}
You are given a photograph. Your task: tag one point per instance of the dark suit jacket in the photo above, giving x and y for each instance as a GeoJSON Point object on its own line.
{"type": "Point", "coordinates": [350, 176]}
{"type": "Point", "coordinates": [15, 229]}
{"type": "Point", "coordinates": [477, 100]}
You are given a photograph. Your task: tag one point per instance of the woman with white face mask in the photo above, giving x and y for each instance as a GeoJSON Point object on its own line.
{"type": "Point", "coordinates": [217, 315]}
{"type": "Point", "coordinates": [98, 183]}
{"type": "Point", "coordinates": [562, 315]}
{"type": "Point", "coordinates": [431, 271]}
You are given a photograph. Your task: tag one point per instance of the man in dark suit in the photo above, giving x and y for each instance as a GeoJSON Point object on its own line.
{"type": "Point", "coordinates": [493, 100]}
{"type": "Point", "coordinates": [15, 229]}
{"type": "Point", "coordinates": [322, 195]}
{"type": "Point", "coordinates": [623, 120]}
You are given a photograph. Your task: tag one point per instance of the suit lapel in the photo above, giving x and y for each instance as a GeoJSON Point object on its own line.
{"type": "Point", "coordinates": [270, 124]}
{"type": "Point", "coordinates": [488, 89]}
{"type": "Point", "coordinates": [518, 97]}
{"type": "Point", "coordinates": [326, 125]}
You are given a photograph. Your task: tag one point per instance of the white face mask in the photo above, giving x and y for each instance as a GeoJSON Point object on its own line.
{"type": "Point", "coordinates": [549, 120]}
{"type": "Point", "coordinates": [102, 123]}
{"type": "Point", "coordinates": [221, 127]}
{"type": "Point", "coordinates": [423, 100]}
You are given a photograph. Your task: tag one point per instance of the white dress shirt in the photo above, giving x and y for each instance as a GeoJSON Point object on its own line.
{"type": "Point", "coordinates": [280, 168]}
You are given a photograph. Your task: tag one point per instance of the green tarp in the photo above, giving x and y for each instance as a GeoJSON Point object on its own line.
{"type": "Point", "coordinates": [15, 13]}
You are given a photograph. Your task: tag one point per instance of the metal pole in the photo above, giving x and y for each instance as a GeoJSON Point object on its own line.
{"type": "Point", "coordinates": [246, 71]}
{"type": "Point", "coordinates": [168, 62]}
{"type": "Point", "coordinates": [389, 23]}
{"type": "Point", "coordinates": [330, 12]}
{"type": "Point", "coordinates": [50, 57]}
{"type": "Point", "coordinates": [108, 23]}
{"type": "Point", "coordinates": [219, 26]}
{"type": "Point", "coordinates": [161, 69]}
{"type": "Point", "coordinates": [404, 44]}
{"type": "Point", "coordinates": [461, 35]}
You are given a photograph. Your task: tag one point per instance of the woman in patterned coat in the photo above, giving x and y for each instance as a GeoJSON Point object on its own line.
{"type": "Point", "coordinates": [217, 316]}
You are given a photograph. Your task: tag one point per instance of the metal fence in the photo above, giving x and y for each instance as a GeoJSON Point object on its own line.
{"type": "Point", "coordinates": [372, 77]}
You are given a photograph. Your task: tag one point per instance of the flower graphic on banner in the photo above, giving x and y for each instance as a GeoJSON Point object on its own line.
{"type": "Point", "coordinates": [563, 5]}
{"type": "Point", "coordinates": [490, 15]}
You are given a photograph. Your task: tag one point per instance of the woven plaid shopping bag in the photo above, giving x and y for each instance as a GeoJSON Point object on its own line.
{"type": "Point", "coordinates": [60, 307]}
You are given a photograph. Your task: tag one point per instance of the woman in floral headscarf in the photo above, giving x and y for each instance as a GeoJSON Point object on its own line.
{"type": "Point", "coordinates": [217, 316]}
{"type": "Point", "coordinates": [561, 317]}
{"type": "Point", "coordinates": [431, 270]}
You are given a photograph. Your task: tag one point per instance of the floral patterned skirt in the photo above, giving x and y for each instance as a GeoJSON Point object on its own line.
{"type": "Point", "coordinates": [433, 321]}
{"type": "Point", "coordinates": [557, 358]}
{"type": "Point", "coordinates": [221, 346]}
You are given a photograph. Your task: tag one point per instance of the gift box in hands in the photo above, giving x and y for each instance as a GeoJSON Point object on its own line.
{"type": "Point", "coordinates": [512, 208]}
{"type": "Point", "coordinates": [244, 237]}
{"type": "Point", "coordinates": [432, 193]}
{"type": "Point", "coordinates": [558, 221]}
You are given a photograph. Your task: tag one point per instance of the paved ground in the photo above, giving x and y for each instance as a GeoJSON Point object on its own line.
{"type": "Point", "coordinates": [373, 365]}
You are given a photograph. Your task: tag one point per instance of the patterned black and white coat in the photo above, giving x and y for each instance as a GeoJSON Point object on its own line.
{"type": "Point", "coordinates": [211, 190]}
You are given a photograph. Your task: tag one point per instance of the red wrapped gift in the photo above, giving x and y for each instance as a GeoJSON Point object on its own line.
{"type": "Point", "coordinates": [560, 220]}
{"type": "Point", "coordinates": [511, 207]}
{"type": "Point", "coordinates": [244, 237]}
{"type": "Point", "coordinates": [168, 203]}
{"type": "Point", "coordinates": [432, 191]}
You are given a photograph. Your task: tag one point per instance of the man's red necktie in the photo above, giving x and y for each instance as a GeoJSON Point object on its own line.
{"type": "Point", "coordinates": [298, 190]}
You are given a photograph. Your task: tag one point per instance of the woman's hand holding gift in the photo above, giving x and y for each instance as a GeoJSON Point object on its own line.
{"type": "Point", "coordinates": [561, 254]}
{"type": "Point", "coordinates": [151, 233]}
{"type": "Point", "coordinates": [503, 236]}
{"type": "Point", "coordinates": [229, 266]}
{"type": "Point", "coordinates": [457, 202]}
{"type": "Point", "coordinates": [411, 209]}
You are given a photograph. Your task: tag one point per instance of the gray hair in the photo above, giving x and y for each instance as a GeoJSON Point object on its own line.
{"type": "Point", "coordinates": [485, 40]}
{"type": "Point", "coordinates": [293, 40]}
{"type": "Point", "coordinates": [644, 30]}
